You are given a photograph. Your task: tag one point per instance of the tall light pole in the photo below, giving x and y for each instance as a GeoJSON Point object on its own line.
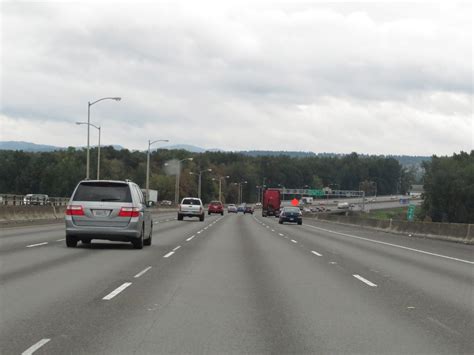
{"type": "Point", "coordinates": [98, 147]}
{"type": "Point", "coordinates": [199, 174]}
{"type": "Point", "coordinates": [178, 173]}
{"type": "Point", "coordinates": [220, 184]}
{"type": "Point", "coordinates": [147, 184]}
{"type": "Point", "coordinates": [89, 104]}
{"type": "Point", "coordinates": [241, 190]}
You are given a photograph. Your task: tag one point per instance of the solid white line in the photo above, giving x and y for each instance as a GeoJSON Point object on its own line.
{"type": "Point", "coordinates": [36, 245]}
{"type": "Point", "coordinates": [179, 246]}
{"type": "Point", "coordinates": [315, 253]}
{"type": "Point", "coordinates": [393, 245]}
{"type": "Point", "coordinates": [190, 238]}
{"type": "Point", "coordinates": [367, 282]}
{"type": "Point", "coordinates": [294, 241]}
{"type": "Point", "coordinates": [116, 291]}
{"type": "Point", "coordinates": [142, 272]}
{"type": "Point", "coordinates": [35, 347]}
{"type": "Point", "coordinates": [169, 254]}
{"type": "Point", "coordinates": [60, 240]}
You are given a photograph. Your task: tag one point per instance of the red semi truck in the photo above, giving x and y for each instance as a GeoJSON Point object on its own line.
{"type": "Point", "coordinates": [271, 202]}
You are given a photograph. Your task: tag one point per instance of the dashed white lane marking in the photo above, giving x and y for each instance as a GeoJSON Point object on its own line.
{"type": "Point", "coordinates": [142, 272]}
{"type": "Point", "coordinates": [281, 235]}
{"type": "Point", "coordinates": [179, 246]}
{"type": "Point", "coordinates": [35, 347]}
{"type": "Point", "coordinates": [315, 253]}
{"type": "Point", "coordinates": [60, 240]}
{"type": "Point", "coordinates": [367, 282]}
{"type": "Point", "coordinates": [36, 245]}
{"type": "Point", "coordinates": [273, 230]}
{"type": "Point", "coordinates": [168, 255]}
{"type": "Point", "coordinates": [392, 245]}
{"type": "Point", "coordinates": [199, 232]}
{"type": "Point", "coordinates": [116, 291]}
{"type": "Point", "coordinates": [190, 238]}
{"type": "Point", "coordinates": [332, 263]}
{"type": "Point", "coordinates": [294, 241]}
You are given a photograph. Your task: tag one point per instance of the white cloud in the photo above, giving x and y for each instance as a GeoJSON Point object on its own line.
{"type": "Point", "coordinates": [395, 78]}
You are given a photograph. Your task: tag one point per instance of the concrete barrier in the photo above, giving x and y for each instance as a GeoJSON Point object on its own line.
{"type": "Point", "coordinates": [458, 232]}
{"type": "Point", "coordinates": [30, 213]}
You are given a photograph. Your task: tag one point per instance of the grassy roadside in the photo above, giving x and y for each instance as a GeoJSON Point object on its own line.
{"type": "Point", "coordinates": [398, 213]}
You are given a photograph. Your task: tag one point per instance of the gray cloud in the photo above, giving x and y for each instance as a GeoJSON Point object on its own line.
{"type": "Point", "coordinates": [243, 77]}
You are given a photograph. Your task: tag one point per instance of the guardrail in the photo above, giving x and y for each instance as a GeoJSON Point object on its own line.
{"type": "Point", "coordinates": [19, 200]}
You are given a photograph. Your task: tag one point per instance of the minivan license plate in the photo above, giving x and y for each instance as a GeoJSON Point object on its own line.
{"type": "Point", "coordinates": [101, 213]}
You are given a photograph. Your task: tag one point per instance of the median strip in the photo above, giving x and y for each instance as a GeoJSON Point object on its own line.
{"type": "Point", "coordinates": [116, 291]}
{"type": "Point", "coordinates": [367, 282]}
{"type": "Point", "coordinates": [36, 245]}
{"type": "Point", "coordinates": [35, 347]}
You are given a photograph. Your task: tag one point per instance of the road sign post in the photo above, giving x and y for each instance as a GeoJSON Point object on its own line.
{"type": "Point", "coordinates": [411, 213]}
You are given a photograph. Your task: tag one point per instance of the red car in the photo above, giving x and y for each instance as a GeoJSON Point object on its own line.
{"type": "Point", "coordinates": [215, 207]}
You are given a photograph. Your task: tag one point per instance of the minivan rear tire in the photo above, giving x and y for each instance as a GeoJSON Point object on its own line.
{"type": "Point", "coordinates": [138, 243]}
{"type": "Point", "coordinates": [147, 241]}
{"type": "Point", "coordinates": [71, 242]}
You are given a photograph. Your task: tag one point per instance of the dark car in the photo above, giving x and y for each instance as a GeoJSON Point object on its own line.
{"type": "Point", "coordinates": [215, 207]}
{"type": "Point", "coordinates": [290, 214]}
{"type": "Point", "coordinates": [248, 209]}
{"type": "Point", "coordinates": [241, 208]}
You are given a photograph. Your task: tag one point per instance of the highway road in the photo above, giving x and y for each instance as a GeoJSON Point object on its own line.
{"type": "Point", "coordinates": [236, 284]}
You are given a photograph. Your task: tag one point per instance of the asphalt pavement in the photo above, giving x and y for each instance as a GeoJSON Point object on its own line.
{"type": "Point", "coordinates": [236, 284]}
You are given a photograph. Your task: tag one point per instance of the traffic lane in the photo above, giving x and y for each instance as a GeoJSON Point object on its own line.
{"type": "Point", "coordinates": [452, 249]}
{"type": "Point", "coordinates": [33, 284]}
{"type": "Point", "coordinates": [16, 238]}
{"type": "Point", "coordinates": [438, 292]}
{"type": "Point", "coordinates": [242, 288]}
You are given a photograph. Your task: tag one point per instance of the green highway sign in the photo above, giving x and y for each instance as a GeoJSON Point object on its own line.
{"type": "Point", "coordinates": [411, 213]}
{"type": "Point", "coordinates": [316, 192]}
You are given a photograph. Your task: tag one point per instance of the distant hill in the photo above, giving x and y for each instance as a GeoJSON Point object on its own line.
{"type": "Point", "coordinates": [28, 147]}
{"type": "Point", "coordinates": [191, 148]}
{"type": "Point", "coordinates": [33, 147]}
{"type": "Point", "coordinates": [404, 160]}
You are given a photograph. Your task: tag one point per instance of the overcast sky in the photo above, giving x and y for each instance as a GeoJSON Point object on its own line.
{"type": "Point", "coordinates": [371, 77]}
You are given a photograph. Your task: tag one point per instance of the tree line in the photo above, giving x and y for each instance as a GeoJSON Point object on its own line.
{"type": "Point", "coordinates": [57, 173]}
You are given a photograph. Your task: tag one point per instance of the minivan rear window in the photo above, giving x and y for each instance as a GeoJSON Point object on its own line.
{"type": "Point", "coordinates": [103, 192]}
{"type": "Point", "coordinates": [189, 201]}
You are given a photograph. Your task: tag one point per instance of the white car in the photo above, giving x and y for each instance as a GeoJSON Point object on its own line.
{"type": "Point", "coordinates": [191, 207]}
{"type": "Point", "coordinates": [231, 208]}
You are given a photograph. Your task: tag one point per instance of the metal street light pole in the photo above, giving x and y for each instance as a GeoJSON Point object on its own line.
{"type": "Point", "coordinates": [147, 184]}
{"type": "Point", "coordinates": [199, 184]}
{"type": "Point", "coordinates": [98, 147]}
{"type": "Point", "coordinates": [178, 173]}
{"type": "Point", "coordinates": [89, 104]}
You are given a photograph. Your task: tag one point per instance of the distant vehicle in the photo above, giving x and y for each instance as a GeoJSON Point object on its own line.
{"type": "Point", "coordinates": [307, 200]}
{"type": "Point", "coordinates": [394, 197]}
{"type": "Point", "coordinates": [231, 208]}
{"type": "Point", "coordinates": [258, 205]}
{"type": "Point", "coordinates": [36, 199]}
{"type": "Point", "coordinates": [191, 207]}
{"type": "Point", "coordinates": [241, 208]}
{"type": "Point", "coordinates": [271, 202]}
{"type": "Point", "coordinates": [290, 214]}
{"type": "Point", "coordinates": [166, 203]}
{"type": "Point", "coordinates": [110, 210]}
{"type": "Point", "coordinates": [306, 209]}
{"type": "Point", "coordinates": [342, 206]}
{"type": "Point", "coordinates": [215, 207]}
{"type": "Point", "coordinates": [248, 209]}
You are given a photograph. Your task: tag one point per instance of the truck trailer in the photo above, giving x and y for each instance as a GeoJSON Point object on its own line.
{"type": "Point", "coordinates": [271, 202]}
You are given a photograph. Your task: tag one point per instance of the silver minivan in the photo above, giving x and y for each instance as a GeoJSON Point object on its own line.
{"type": "Point", "coordinates": [108, 210]}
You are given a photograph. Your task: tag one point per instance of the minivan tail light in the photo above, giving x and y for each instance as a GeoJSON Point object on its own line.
{"type": "Point", "coordinates": [129, 212]}
{"type": "Point", "coordinates": [74, 210]}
